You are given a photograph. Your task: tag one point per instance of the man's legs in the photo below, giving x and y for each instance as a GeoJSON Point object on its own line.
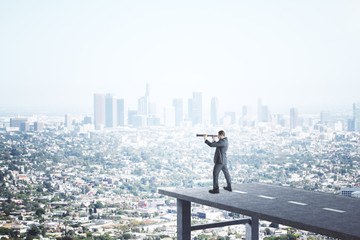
{"type": "Point", "coordinates": [227, 176]}
{"type": "Point", "coordinates": [216, 171]}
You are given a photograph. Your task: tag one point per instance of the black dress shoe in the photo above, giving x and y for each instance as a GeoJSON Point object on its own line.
{"type": "Point", "coordinates": [228, 189]}
{"type": "Point", "coordinates": [214, 191]}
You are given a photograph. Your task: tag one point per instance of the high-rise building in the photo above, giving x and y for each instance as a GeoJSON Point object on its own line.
{"type": "Point", "coordinates": [68, 123]}
{"type": "Point", "coordinates": [87, 120]}
{"type": "Point", "coordinates": [143, 106]}
{"type": "Point", "coordinates": [38, 126]}
{"type": "Point", "coordinates": [131, 116]}
{"type": "Point", "coordinates": [120, 112]}
{"type": "Point", "coordinates": [356, 117]}
{"type": "Point", "coordinates": [178, 108]}
{"type": "Point", "coordinates": [110, 111]}
{"type": "Point", "coordinates": [25, 126]}
{"type": "Point", "coordinates": [244, 111]}
{"type": "Point", "coordinates": [259, 110]}
{"type": "Point", "coordinates": [350, 125]}
{"type": "Point", "coordinates": [190, 109]}
{"type": "Point", "coordinates": [16, 122]}
{"type": "Point", "coordinates": [196, 106]}
{"type": "Point", "coordinates": [147, 91]}
{"type": "Point", "coordinates": [99, 110]}
{"type": "Point", "coordinates": [294, 118]}
{"type": "Point", "coordinates": [214, 111]}
{"type": "Point", "coordinates": [263, 112]}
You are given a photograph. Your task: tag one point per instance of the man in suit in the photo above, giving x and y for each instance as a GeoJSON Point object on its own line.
{"type": "Point", "coordinates": [220, 161]}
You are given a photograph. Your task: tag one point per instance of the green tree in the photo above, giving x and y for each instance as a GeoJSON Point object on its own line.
{"type": "Point", "coordinates": [33, 232]}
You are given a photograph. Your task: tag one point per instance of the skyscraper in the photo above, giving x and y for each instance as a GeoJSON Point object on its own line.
{"type": "Point", "coordinates": [110, 111]}
{"type": "Point", "coordinates": [38, 126]}
{"type": "Point", "coordinates": [120, 112]}
{"type": "Point", "coordinates": [244, 111]}
{"type": "Point", "coordinates": [259, 110]}
{"type": "Point", "coordinates": [143, 106]}
{"type": "Point", "coordinates": [214, 111]}
{"type": "Point", "coordinates": [99, 110]}
{"type": "Point", "coordinates": [197, 108]}
{"type": "Point", "coordinates": [67, 123]}
{"type": "Point", "coordinates": [263, 112]}
{"type": "Point", "coordinates": [16, 122]}
{"type": "Point", "coordinates": [356, 117]}
{"type": "Point", "coordinates": [190, 109]}
{"type": "Point", "coordinates": [131, 117]}
{"type": "Point", "coordinates": [178, 108]}
{"type": "Point", "coordinates": [147, 91]}
{"type": "Point", "coordinates": [294, 118]}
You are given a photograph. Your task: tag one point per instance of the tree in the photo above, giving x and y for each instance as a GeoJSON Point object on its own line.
{"type": "Point", "coordinates": [33, 232]}
{"type": "Point", "coordinates": [39, 212]}
{"type": "Point", "coordinates": [274, 225]}
{"type": "Point", "coordinates": [99, 204]}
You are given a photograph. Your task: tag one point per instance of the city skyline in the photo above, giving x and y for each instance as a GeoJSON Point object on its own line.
{"type": "Point", "coordinates": [287, 53]}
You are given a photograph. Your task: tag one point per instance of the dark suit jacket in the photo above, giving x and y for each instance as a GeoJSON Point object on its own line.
{"type": "Point", "coordinates": [220, 152]}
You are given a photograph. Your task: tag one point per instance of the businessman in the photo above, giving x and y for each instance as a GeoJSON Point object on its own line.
{"type": "Point", "coordinates": [220, 161]}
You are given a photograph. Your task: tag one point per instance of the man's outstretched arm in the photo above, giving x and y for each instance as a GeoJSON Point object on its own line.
{"type": "Point", "coordinates": [215, 144]}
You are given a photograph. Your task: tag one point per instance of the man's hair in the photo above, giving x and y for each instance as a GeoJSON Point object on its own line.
{"type": "Point", "coordinates": [222, 133]}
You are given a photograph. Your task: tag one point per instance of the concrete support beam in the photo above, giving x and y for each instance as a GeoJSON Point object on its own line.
{"type": "Point", "coordinates": [220, 224]}
{"type": "Point", "coordinates": [183, 220]}
{"type": "Point", "coordinates": [252, 229]}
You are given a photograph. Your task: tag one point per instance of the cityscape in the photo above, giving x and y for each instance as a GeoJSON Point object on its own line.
{"type": "Point", "coordinates": [97, 176]}
{"type": "Point", "coordinates": [104, 105]}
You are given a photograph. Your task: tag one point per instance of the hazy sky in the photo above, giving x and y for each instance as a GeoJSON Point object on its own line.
{"type": "Point", "coordinates": [289, 53]}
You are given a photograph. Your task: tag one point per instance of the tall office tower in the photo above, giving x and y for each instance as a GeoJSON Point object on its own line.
{"type": "Point", "coordinates": [16, 122]}
{"type": "Point", "coordinates": [190, 109]}
{"type": "Point", "coordinates": [147, 91]}
{"type": "Point", "coordinates": [120, 112]}
{"type": "Point", "coordinates": [110, 111]}
{"type": "Point", "coordinates": [25, 126]}
{"type": "Point", "coordinates": [152, 109]}
{"type": "Point", "coordinates": [356, 118]}
{"type": "Point", "coordinates": [38, 126]}
{"type": "Point", "coordinates": [350, 125]}
{"type": "Point", "coordinates": [197, 108]}
{"type": "Point", "coordinates": [214, 111]}
{"type": "Point", "coordinates": [244, 111]}
{"type": "Point", "coordinates": [67, 121]}
{"type": "Point", "coordinates": [294, 118]}
{"type": "Point", "coordinates": [87, 120]}
{"type": "Point", "coordinates": [178, 108]}
{"type": "Point", "coordinates": [263, 112]}
{"type": "Point", "coordinates": [99, 110]}
{"type": "Point", "coordinates": [131, 116]}
{"type": "Point", "coordinates": [143, 106]}
{"type": "Point", "coordinates": [259, 110]}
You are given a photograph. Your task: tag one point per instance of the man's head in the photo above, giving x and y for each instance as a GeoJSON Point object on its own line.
{"type": "Point", "coordinates": [221, 134]}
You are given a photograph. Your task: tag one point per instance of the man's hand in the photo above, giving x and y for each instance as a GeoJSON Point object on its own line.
{"type": "Point", "coordinates": [205, 136]}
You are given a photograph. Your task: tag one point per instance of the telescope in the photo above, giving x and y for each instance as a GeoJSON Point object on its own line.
{"type": "Point", "coordinates": [209, 135]}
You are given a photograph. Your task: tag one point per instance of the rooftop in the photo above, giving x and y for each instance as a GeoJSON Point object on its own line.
{"type": "Point", "coordinates": [322, 213]}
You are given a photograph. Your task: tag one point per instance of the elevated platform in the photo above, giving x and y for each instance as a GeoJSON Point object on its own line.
{"type": "Point", "coordinates": [322, 213]}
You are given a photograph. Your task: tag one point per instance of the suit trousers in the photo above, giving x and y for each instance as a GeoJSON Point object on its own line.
{"type": "Point", "coordinates": [217, 168]}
